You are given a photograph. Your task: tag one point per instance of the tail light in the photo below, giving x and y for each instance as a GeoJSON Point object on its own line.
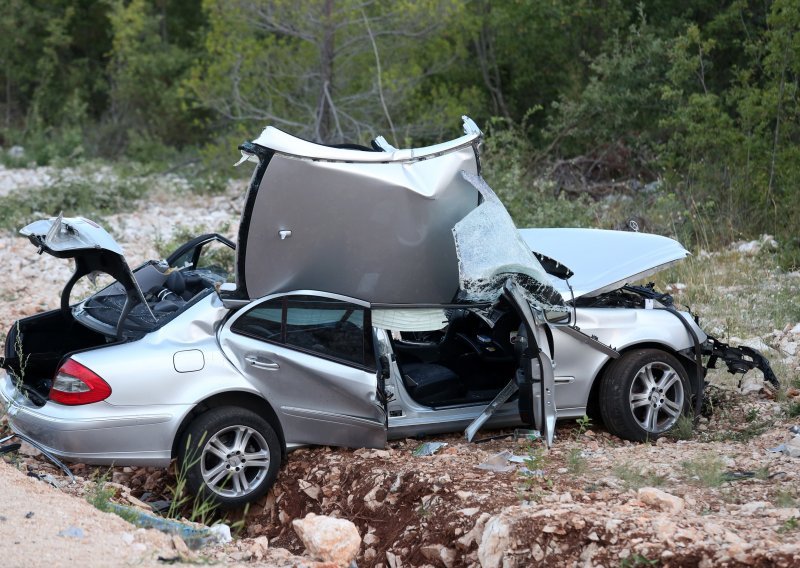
{"type": "Point", "coordinates": [75, 384]}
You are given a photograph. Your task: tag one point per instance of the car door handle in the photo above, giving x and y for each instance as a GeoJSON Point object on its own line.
{"type": "Point", "coordinates": [260, 363]}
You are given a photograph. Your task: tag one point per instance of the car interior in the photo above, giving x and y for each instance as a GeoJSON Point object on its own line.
{"type": "Point", "coordinates": [467, 362]}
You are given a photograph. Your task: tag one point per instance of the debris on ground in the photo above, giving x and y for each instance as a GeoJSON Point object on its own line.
{"type": "Point", "coordinates": [428, 448]}
{"type": "Point", "coordinates": [195, 536]}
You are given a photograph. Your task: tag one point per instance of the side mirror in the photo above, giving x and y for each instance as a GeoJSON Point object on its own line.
{"type": "Point", "coordinates": [559, 317]}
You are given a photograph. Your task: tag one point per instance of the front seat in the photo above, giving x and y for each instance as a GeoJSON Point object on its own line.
{"type": "Point", "coordinates": [429, 383]}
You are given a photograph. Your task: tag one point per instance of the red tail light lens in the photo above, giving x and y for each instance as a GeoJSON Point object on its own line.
{"type": "Point", "coordinates": [75, 384]}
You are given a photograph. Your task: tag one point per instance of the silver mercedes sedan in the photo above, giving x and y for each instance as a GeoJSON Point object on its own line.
{"type": "Point", "coordinates": [372, 293]}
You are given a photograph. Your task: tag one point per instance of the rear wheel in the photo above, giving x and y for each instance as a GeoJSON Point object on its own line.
{"type": "Point", "coordinates": [230, 455]}
{"type": "Point", "coordinates": [643, 394]}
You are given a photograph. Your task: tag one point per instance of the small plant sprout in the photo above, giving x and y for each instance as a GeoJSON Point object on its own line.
{"type": "Point", "coordinates": [576, 463]}
{"type": "Point", "coordinates": [683, 429]}
{"type": "Point", "coordinates": [584, 423]}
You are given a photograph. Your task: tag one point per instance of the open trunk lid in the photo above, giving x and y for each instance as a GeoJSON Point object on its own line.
{"type": "Point", "coordinates": [93, 250]}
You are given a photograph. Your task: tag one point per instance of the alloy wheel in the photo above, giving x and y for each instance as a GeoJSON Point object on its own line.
{"type": "Point", "coordinates": [235, 461]}
{"type": "Point", "coordinates": [656, 397]}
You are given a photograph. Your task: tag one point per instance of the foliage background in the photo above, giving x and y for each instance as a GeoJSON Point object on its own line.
{"type": "Point", "coordinates": [683, 115]}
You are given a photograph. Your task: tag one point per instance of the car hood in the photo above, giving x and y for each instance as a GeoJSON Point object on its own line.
{"type": "Point", "coordinates": [603, 260]}
{"type": "Point", "coordinates": [374, 225]}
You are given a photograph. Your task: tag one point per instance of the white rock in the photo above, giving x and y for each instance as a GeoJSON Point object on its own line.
{"type": "Point", "coordinates": [16, 152]}
{"type": "Point", "coordinates": [751, 247]}
{"type": "Point", "coordinates": [753, 506]}
{"type": "Point", "coordinates": [660, 499]}
{"type": "Point", "coordinates": [496, 539]}
{"type": "Point", "coordinates": [793, 447]}
{"type": "Point", "coordinates": [756, 343]}
{"type": "Point", "coordinates": [259, 547]}
{"type": "Point", "coordinates": [309, 489]}
{"type": "Point", "coordinates": [328, 539]}
{"type": "Point", "coordinates": [796, 329]}
{"type": "Point", "coordinates": [475, 534]}
{"type": "Point", "coordinates": [393, 560]}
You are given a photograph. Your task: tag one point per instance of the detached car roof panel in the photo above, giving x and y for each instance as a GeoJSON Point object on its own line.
{"type": "Point", "coordinates": [376, 231]}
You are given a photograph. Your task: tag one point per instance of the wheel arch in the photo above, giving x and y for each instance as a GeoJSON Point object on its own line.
{"type": "Point", "coordinates": [687, 361]}
{"type": "Point", "coordinates": [243, 399]}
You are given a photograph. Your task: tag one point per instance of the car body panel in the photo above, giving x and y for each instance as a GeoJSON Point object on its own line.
{"type": "Point", "coordinates": [98, 433]}
{"type": "Point", "coordinates": [577, 367]}
{"type": "Point", "coordinates": [391, 224]}
{"type": "Point", "coordinates": [319, 401]}
{"type": "Point", "coordinates": [603, 260]}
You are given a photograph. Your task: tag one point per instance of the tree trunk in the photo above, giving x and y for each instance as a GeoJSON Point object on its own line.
{"type": "Point", "coordinates": [325, 109]}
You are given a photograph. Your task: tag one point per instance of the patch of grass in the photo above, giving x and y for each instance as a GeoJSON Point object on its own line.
{"type": "Point", "coordinates": [201, 509]}
{"type": "Point", "coordinates": [793, 409]}
{"type": "Point", "coordinates": [576, 463]}
{"type": "Point", "coordinates": [785, 498]}
{"type": "Point", "coordinates": [734, 295]}
{"type": "Point", "coordinates": [634, 477]}
{"type": "Point", "coordinates": [535, 461]}
{"type": "Point", "coordinates": [752, 415]}
{"type": "Point", "coordinates": [76, 195]}
{"type": "Point", "coordinates": [762, 473]}
{"type": "Point", "coordinates": [790, 525]}
{"type": "Point", "coordinates": [748, 432]}
{"type": "Point", "coordinates": [705, 471]}
{"type": "Point", "coordinates": [536, 458]}
{"type": "Point", "coordinates": [101, 494]}
{"type": "Point", "coordinates": [208, 183]}
{"type": "Point", "coordinates": [637, 561]}
{"type": "Point", "coordinates": [683, 429]}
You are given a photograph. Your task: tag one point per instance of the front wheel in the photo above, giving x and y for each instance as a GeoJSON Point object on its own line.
{"type": "Point", "coordinates": [230, 456]}
{"type": "Point", "coordinates": [643, 394]}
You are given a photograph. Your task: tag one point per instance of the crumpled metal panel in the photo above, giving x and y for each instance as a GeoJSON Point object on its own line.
{"type": "Point", "coordinates": [380, 232]}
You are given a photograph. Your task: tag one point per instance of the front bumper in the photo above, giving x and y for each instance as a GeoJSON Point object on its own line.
{"type": "Point", "coordinates": [98, 433]}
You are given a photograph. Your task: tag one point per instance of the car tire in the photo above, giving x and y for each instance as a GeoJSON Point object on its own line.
{"type": "Point", "coordinates": [230, 456]}
{"type": "Point", "coordinates": [643, 394]}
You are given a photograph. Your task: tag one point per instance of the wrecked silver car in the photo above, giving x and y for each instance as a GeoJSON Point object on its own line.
{"type": "Point", "coordinates": [375, 293]}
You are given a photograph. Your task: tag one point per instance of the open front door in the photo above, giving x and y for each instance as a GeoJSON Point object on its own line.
{"type": "Point", "coordinates": [535, 378]}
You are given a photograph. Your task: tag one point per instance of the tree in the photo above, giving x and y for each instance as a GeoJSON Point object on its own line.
{"type": "Point", "coordinates": [331, 70]}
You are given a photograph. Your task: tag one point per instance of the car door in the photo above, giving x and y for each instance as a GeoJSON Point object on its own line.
{"type": "Point", "coordinates": [211, 250]}
{"type": "Point", "coordinates": [312, 357]}
{"type": "Point", "coordinates": [537, 381]}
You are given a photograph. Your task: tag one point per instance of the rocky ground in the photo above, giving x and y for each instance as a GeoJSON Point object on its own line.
{"type": "Point", "coordinates": [720, 498]}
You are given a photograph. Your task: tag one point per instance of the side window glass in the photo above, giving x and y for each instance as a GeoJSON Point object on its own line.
{"type": "Point", "coordinates": [262, 322]}
{"type": "Point", "coordinates": [218, 258]}
{"type": "Point", "coordinates": [328, 327]}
